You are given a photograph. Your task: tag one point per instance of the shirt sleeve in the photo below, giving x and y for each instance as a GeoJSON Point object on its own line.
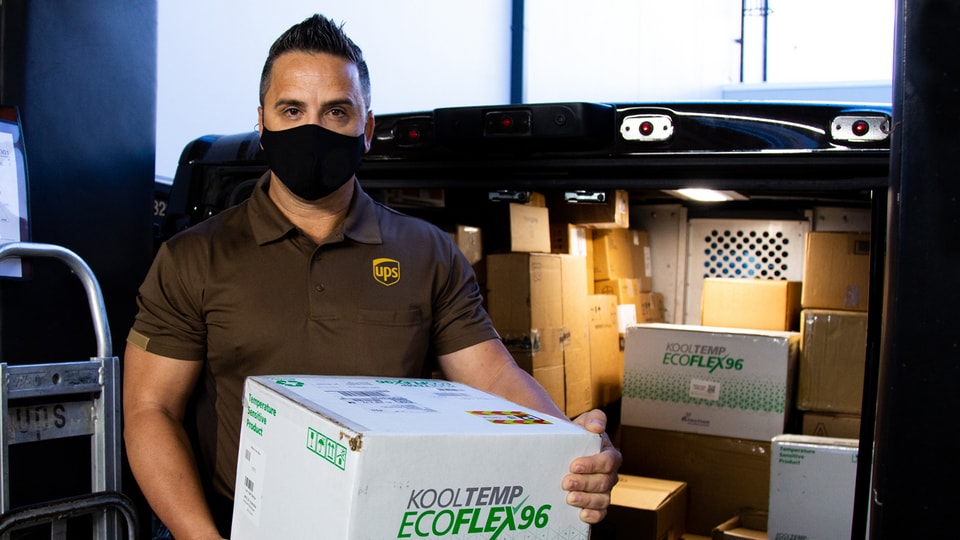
{"type": "Point", "coordinates": [459, 316]}
{"type": "Point", "coordinates": [169, 320]}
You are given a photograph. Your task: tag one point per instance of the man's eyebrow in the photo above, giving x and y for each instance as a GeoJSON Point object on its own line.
{"type": "Point", "coordinates": [288, 102]}
{"type": "Point", "coordinates": [339, 102]}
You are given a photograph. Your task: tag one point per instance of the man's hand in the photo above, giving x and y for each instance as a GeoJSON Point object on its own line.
{"type": "Point", "coordinates": [592, 477]}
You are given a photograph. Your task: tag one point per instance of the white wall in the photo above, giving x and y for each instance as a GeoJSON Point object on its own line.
{"type": "Point", "coordinates": [422, 54]}
{"type": "Point", "coordinates": [425, 54]}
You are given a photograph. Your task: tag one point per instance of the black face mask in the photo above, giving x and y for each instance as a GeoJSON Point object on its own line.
{"type": "Point", "coordinates": [312, 161]}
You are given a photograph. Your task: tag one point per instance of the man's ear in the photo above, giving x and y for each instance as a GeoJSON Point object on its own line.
{"type": "Point", "coordinates": [368, 132]}
{"type": "Point", "coordinates": [260, 124]}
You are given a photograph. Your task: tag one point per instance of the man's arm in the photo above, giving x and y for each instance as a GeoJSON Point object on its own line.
{"type": "Point", "coordinates": [490, 367]}
{"type": "Point", "coordinates": [155, 394]}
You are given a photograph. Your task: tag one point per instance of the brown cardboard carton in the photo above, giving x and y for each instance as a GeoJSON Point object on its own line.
{"type": "Point", "coordinates": [591, 266]}
{"type": "Point", "coordinates": [606, 357]}
{"type": "Point", "coordinates": [646, 508]}
{"type": "Point", "coordinates": [723, 475]}
{"type": "Point", "coordinates": [613, 213]}
{"type": "Point", "coordinates": [641, 259]}
{"type": "Point", "coordinates": [569, 239]}
{"type": "Point", "coordinates": [524, 302]}
{"type": "Point", "coordinates": [576, 350]}
{"type": "Point", "coordinates": [842, 426]}
{"type": "Point", "coordinates": [836, 271]}
{"type": "Point", "coordinates": [518, 228]}
{"type": "Point", "coordinates": [651, 308]}
{"type": "Point", "coordinates": [627, 290]}
{"type": "Point", "coordinates": [758, 304]}
{"type": "Point", "coordinates": [833, 348]}
{"type": "Point", "coordinates": [470, 241]}
{"type": "Point", "coordinates": [612, 257]}
{"type": "Point", "coordinates": [551, 378]}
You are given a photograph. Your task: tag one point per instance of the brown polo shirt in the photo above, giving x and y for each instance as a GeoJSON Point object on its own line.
{"type": "Point", "coordinates": [247, 294]}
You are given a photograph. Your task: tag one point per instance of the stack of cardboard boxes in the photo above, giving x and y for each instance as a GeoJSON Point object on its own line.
{"type": "Point", "coordinates": [540, 289]}
{"type": "Point", "coordinates": [834, 328]}
{"type": "Point", "coordinates": [711, 405]}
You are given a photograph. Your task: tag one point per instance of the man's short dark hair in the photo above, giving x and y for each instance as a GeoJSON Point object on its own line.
{"type": "Point", "coordinates": [316, 34]}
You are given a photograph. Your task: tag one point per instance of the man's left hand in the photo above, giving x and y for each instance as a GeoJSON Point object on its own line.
{"type": "Point", "coordinates": [592, 477]}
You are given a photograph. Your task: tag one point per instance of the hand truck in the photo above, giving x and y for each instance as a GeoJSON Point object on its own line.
{"type": "Point", "coordinates": [66, 399]}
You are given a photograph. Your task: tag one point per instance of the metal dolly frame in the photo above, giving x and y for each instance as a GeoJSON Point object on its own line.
{"type": "Point", "coordinates": [68, 399]}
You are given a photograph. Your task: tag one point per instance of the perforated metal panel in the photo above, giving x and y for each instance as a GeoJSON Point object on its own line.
{"type": "Point", "coordinates": [735, 248]}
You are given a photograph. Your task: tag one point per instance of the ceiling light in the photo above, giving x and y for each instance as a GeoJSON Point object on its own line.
{"type": "Point", "coordinates": [706, 195]}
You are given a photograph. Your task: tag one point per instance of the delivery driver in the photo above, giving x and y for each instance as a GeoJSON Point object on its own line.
{"type": "Point", "coordinates": [287, 283]}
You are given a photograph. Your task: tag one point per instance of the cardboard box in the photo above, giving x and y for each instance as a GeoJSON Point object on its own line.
{"type": "Point", "coordinates": [569, 239]}
{"type": "Point", "coordinates": [520, 228]}
{"type": "Point", "coordinates": [836, 271]}
{"type": "Point", "coordinates": [723, 475]}
{"type": "Point", "coordinates": [728, 383]}
{"type": "Point", "coordinates": [524, 300]}
{"type": "Point", "coordinates": [612, 256]}
{"type": "Point", "coordinates": [641, 259]}
{"type": "Point", "coordinates": [644, 508]}
{"type": "Point", "coordinates": [551, 378]}
{"type": "Point", "coordinates": [833, 349]}
{"type": "Point", "coordinates": [651, 308]}
{"type": "Point", "coordinates": [591, 267]}
{"type": "Point", "coordinates": [612, 213]}
{"type": "Point", "coordinates": [627, 290]}
{"type": "Point", "coordinates": [606, 358]}
{"type": "Point", "coordinates": [747, 525]}
{"type": "Point", "coordinates": [812, 485]}
{"type": "Point", "coordinates": [319, 456]}
{"type": "Point", "coordinates": [842, 426]}
{"type": "Point", "coordinates": [760, 304]}
{"type": "Point", "coordinates": [576, 353]}
{"type": "Point", "coordinates": [470, 241]}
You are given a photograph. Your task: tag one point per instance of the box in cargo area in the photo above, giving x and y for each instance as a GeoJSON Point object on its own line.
{"type": "Point", "coordinates": [651, 308]}
{"type": "Point", "coordinates": [361, 457]}
{"type": "Point", "coordinates": [641, 259]}
{"type": "Point", "coordinates": [470, 241]}
{"type": "Point", "coordinates": [726, 382]}
{"type": "Point", "coordinates": [524, 300]}
{"type": "Point", "coordinates": [518, 228]}
{"type": "Point", "coordinates": [576, 354]}
{"type": "Point", "coordinates": [606, 357]}
{"type": "Point", "coordinates": [569, 239]}
{"type": "Point", "coordinates": [612, 254]}
{"type": "Point", "coordinates": [760, 304]}
{"type": "Point", "coordinates": [612, 212]}
{"type": "Point", "coordinates": [812, 485]}
{"type": "Point", "coordinates": [644, 508]}
{"type": "Point", "coordinates": [836, 271]}
{"type": "Point", "coordinates": [842, 426]}
{"type": "Point", "coordinates": [833, 348]}
{"type": "Point", "coordinates": [723, 475]}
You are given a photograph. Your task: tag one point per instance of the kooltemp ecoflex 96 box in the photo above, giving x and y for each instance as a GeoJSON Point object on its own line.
{"type": "Point", "coordinates": [716, 381]}
{"type": "Point", "coordinates": [357, 458]}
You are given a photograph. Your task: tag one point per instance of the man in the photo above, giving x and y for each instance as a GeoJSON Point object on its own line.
{"type": "Point", "coordinates": [282, 283]}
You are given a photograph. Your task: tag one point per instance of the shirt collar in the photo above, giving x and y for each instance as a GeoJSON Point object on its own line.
{"type": "Point", "coordinates": [269, 224]}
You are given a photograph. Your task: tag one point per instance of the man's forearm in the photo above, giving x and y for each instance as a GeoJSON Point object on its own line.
{"type": "Point", "coordinates": [162, 461]}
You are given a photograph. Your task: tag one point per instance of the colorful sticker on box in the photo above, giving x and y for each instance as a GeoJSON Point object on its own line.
{"type": "Point", "coordinates": [509, 417]}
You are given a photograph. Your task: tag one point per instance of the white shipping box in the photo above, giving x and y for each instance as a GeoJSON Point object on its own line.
{"type": "Point", "coordinates": [357, 458]}
{"type": "Point", "coordinates": [812, 485]}
{"type": "Point", "coordinates": [726, 382]}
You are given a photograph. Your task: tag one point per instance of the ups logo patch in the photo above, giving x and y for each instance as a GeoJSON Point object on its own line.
{"type": "Point", "coordinates": [386, 271]}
